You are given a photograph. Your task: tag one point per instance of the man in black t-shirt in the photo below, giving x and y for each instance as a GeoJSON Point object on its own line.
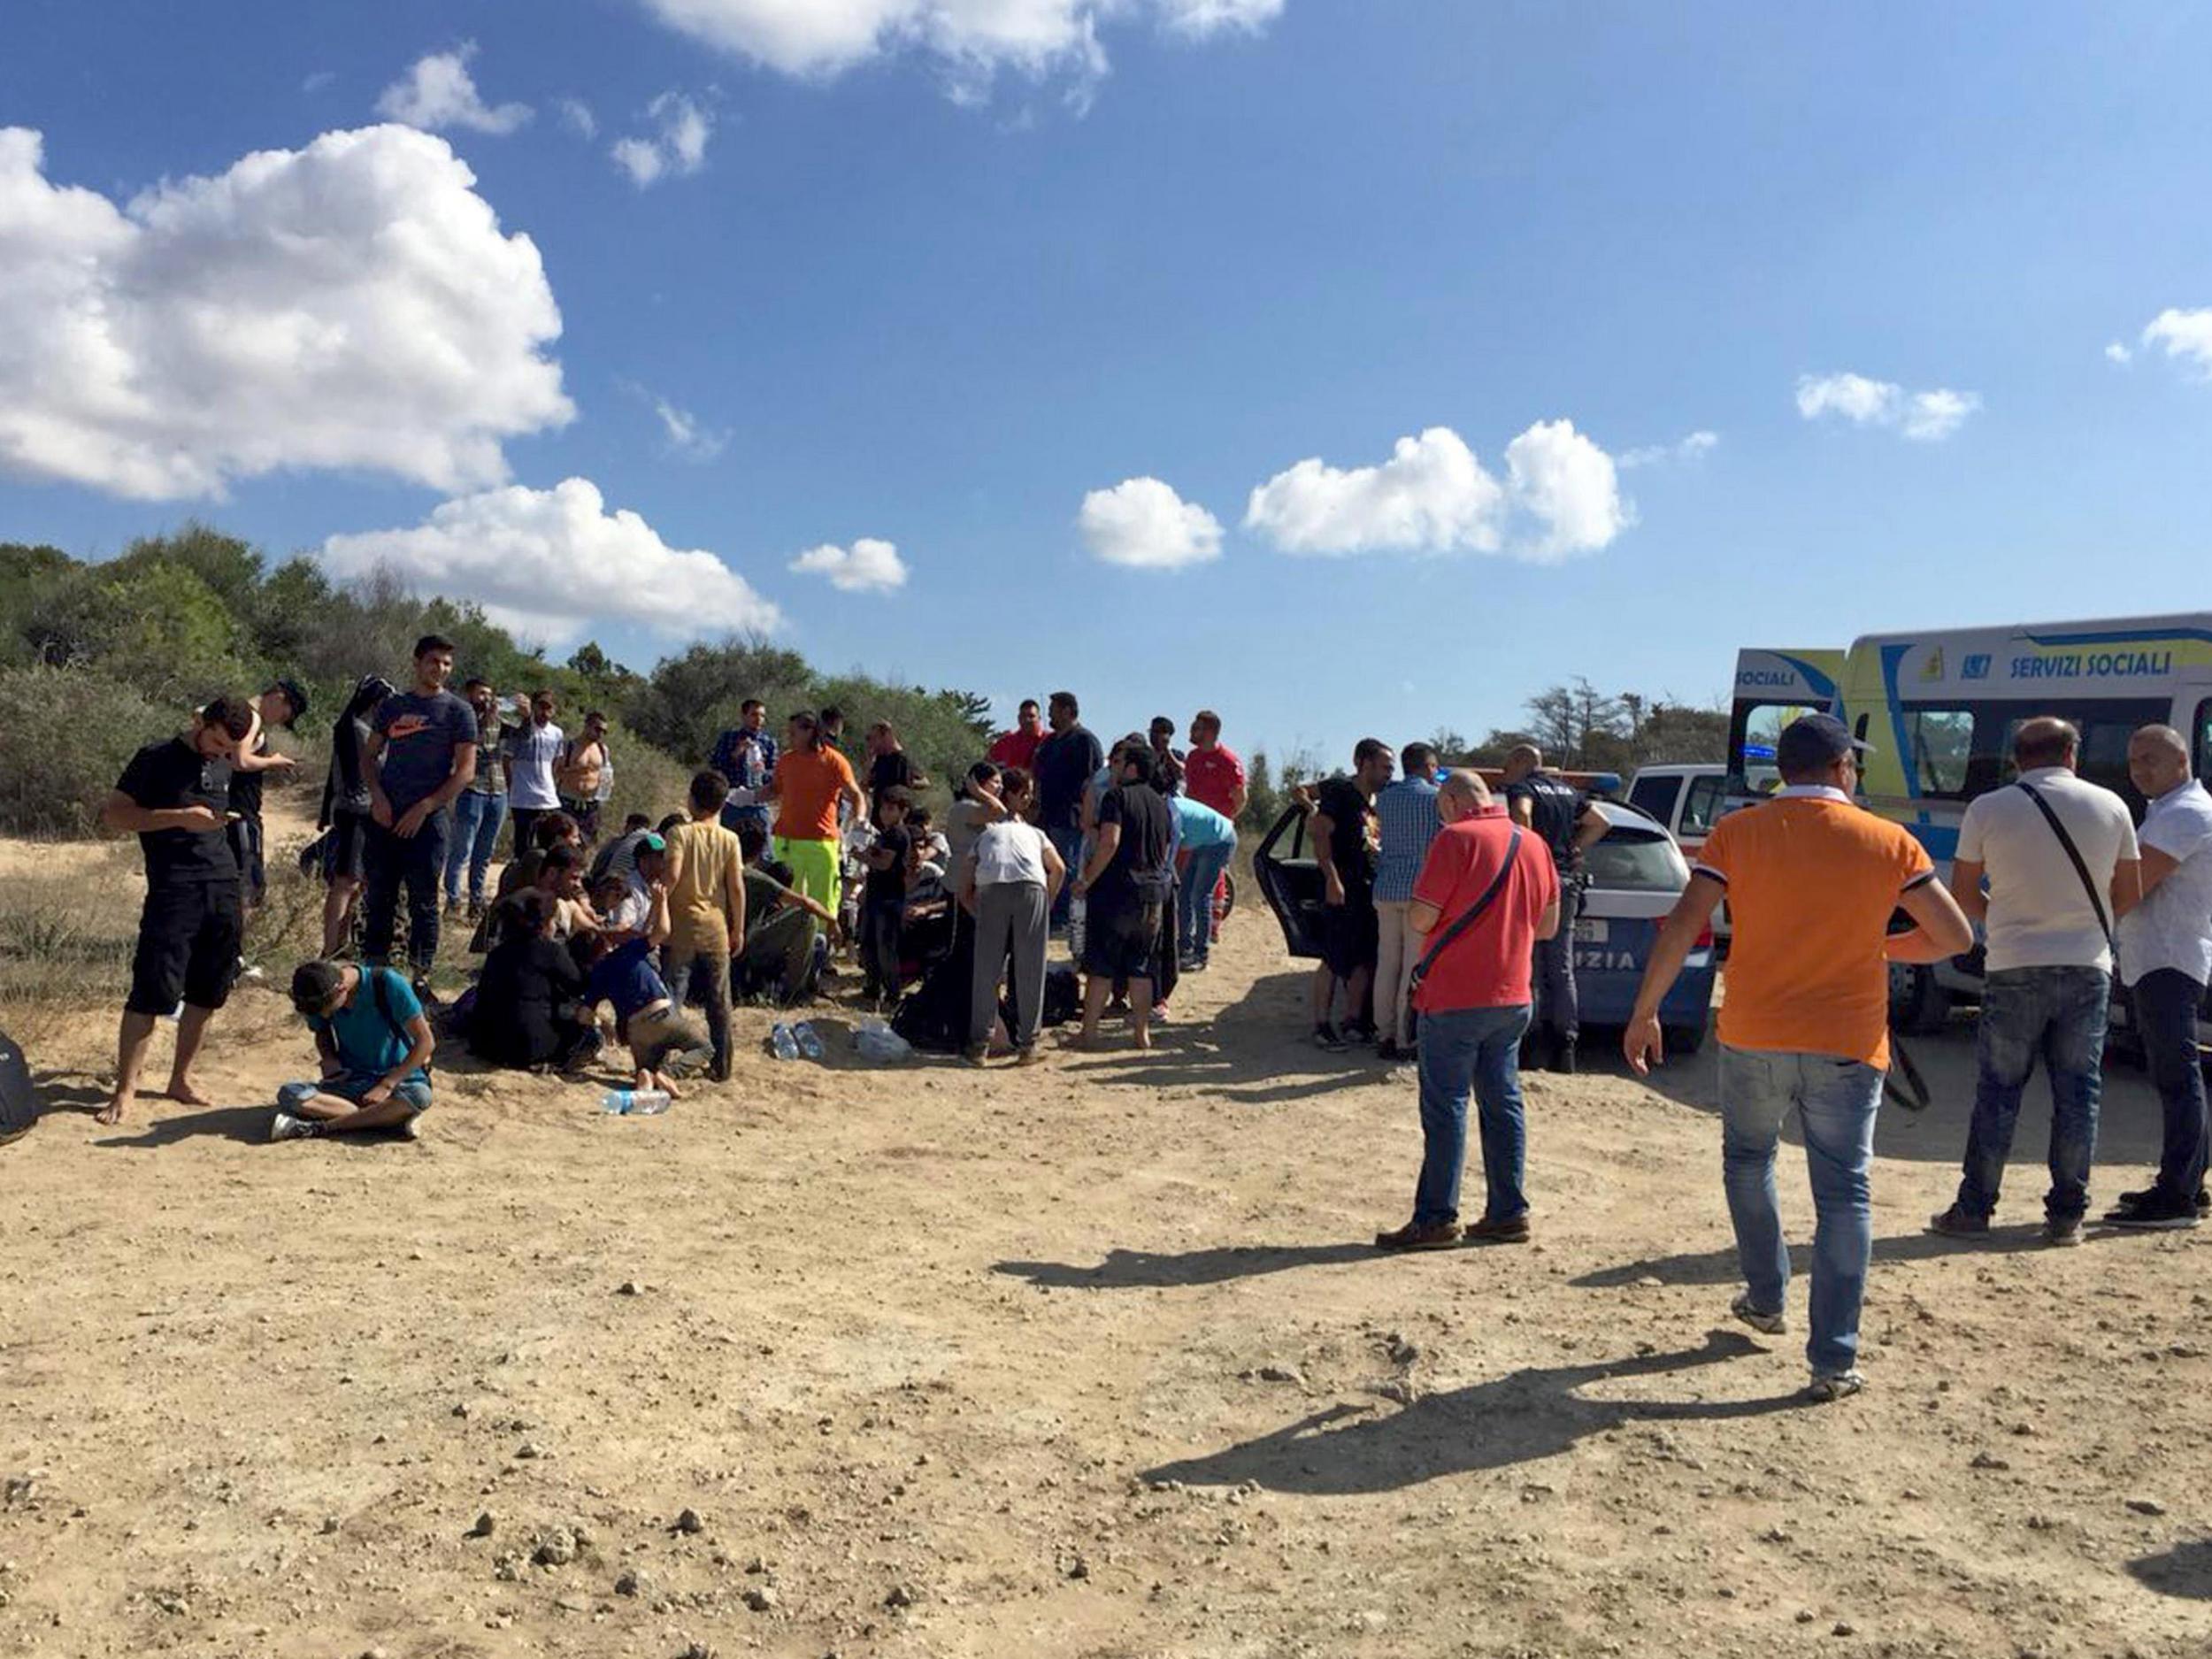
{"type": "Point", "coordinates": [1551, 810]}
{"type": "Point", "coordinates": [172, 796]}
{"type": "Point", "coordinates": [1346, 838]}
{"type": "Point", "coordinates": [1063, 764]}
{"type": "Point", "coordinates": [1124, 888]}
{"type": "Point", "coordinates": [282, 704]}
{"type": "Point", "coordinates": [889, 766]}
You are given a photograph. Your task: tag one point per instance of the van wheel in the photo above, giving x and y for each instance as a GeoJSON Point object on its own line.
{"type": "Point", "coordinates": [1685, 1039]}
{"type": "Point", "coordinates": [1918, 1006]}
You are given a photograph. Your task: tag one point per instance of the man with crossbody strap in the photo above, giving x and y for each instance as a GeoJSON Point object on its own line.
{"type": "Point", "coordinates": [2062, 863]}
{"type": "Point", "coordinates": [1486, 891]}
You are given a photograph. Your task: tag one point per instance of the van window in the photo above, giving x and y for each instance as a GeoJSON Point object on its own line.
{"type": "Point", "coordinates": [1938, 745]}
{"type": "Point", "coordinates": [2200, 745]}
{"type": "Point", "coordinates": [1636, 861]}
{"type": "Point", "coordinates": [1655, 796]}
{"type": "Point", "coordinates": [2105, 726]}
{"type": "Point", "coordinates": [1699, 812]}
{"type": "Point", "coordinates": [1754, 729]}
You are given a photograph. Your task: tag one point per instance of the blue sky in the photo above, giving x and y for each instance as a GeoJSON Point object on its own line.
{"type": "Point", "coordinates": [935, 292]}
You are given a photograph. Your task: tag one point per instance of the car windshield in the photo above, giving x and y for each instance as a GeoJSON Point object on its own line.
{"type": "Point", "coordinates": [1635, 861]}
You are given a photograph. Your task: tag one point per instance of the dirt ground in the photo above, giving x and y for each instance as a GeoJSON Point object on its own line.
{"type": "Point", "coordinates": [1089, 1360]}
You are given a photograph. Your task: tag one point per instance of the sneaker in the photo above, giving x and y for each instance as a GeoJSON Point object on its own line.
{"type": "Point", "coordinates": [1436, 1235]}
{"type": "Point", "coordinates": [1757, 1318]}
{"type": "Point", "coordinates": [409, 1129]}
{"type": "Point", "coordinates": [1360, 1031]}
{"type": "Point", "coordinates": [1562, 1057]}
{"type": "Point", "coordinates": [2062, 1231]}
{"type": "Point", "coordinates": [1388, 1050]}
{"type": "Point", "coordinates": [2136, 1201]}
{"type": "Point", "coordinates": [1031, 1056]}
{"type": "Point", "coordinates": [1833, 1385]}
{"type": "Point", "coordinates": [2153, 1212]}
{"type": "Point", "coordinates": [1326, 1040]}
{"type": "Point", "coordinates": [284, 1126]}
{"type": "Point", "coordinates": [976, 1054]}
{"type": "Point", "coordinates": [1511, 1230]}
{"type": "Point", "coordinates": [1956, 1223]}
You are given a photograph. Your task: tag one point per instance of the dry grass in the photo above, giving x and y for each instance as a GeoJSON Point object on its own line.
{"type": "Point", "coordinates": [65, 938]}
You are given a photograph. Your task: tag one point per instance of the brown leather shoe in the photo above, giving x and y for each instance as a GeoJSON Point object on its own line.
{"type": "Point", "coordinates": [1439, 1235]}
{"type": "Point", "coordinates": [1513, 1230]}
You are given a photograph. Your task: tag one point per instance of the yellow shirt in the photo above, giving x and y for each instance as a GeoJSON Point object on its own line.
{"type": "Point", "coordinates": [708, 858]}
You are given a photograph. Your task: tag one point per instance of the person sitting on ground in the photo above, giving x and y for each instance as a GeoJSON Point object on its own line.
{"type": "Point", "coordinates": [925, 924]}
{"type": "Point", "coordinates": [780, 956]}
{"type": "Point", "coordinates": [1124, 889]}
{"type": "Point", "coordinates": [921, 829]}
{"type": "Point", "coordinates": [883, 903]}
{"type": "Point", "coordinates": [529, 1002]}
{"type": "Point", "coordinates": [624, 901]}
{"type": "Point", "coordinates": [519, 874]}
{"type": "Point", "coordinates": [561, 878]}
{"type": "Point", "coordinates": [665, 1042]}
{"type": "Point", "coordinates": [619, 856]}
{"type": "Point", "coordinates": [375, 1043]}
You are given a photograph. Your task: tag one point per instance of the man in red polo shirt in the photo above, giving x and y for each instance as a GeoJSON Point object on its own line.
{"type": "Point", "coordinates": [1019, 746]}
{"type": "Point", "coordinates": [1212, 774]}
{"type": "Point", "coordinates": [1473, 986]}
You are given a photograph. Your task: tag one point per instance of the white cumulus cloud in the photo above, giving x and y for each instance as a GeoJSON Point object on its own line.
{"type": "Point", "coordinates": [867, 566]}
{"type": "Point", "coordinates": [555, 564]}
{"type": "Point", "coordinates": [2115, 351]}
{"type": "Point", "coordinates": [1560, 496]}
{"type": "Point", "coordinates": [1143, 523]}
{"type": "Point", "coordinates": [972, 40]}
{"type": "Point", "coordinates": [438, 92]}
{"type": "Point", "coordinates": [677, 144]}
{"type": "Point", "coordinates": [2184, 335]}
{"type": "Point", "coordinates": [349, 304]}
{"type": "Point", "coordinates": [1926, 416]}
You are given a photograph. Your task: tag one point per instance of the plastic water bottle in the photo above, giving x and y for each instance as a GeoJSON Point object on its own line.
{"type": "Point", "coordinates": [809, 1042]}
{"type": "Point", "coordinates": [635, 1102]}
{"type": "Point", "coordinates": [783, 1042]}
{"type": "Point", "coordinates": [1078, 909]}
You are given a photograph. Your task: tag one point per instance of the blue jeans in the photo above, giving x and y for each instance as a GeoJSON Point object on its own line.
{"type": "Point", "coordinates": [2166, 1002]}
{"type": "Point", "coordinates": [2058, 1013]}
{"type": "Point", "coordinates": [1476, 1048]}
{"type": "Point", "coordinates": [476, 821]}
{"type": "Point", "coordinates": [1836, 1101]}
{"type": "Point", "coordinates": [1069, 844]}
{"type": "Point", "coordinates": [1193, 934]}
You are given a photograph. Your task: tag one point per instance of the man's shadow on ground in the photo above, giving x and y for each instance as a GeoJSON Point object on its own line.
{"type": "Point", "coordinates": [1145, 1269]}
{"type": "Point", "coordinates": [1723, 1267]}
{"type": "Point", "coordinates": [1523, 1417]}
{"type": "Point", "coordinates": [2184, 1570]}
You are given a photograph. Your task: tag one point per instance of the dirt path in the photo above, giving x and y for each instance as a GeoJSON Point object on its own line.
{"type": "Point", "coordinates": [1088, 1360]}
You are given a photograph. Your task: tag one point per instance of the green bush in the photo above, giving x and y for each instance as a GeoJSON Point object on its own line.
{"type": "Point", "coordinates": [66, 735]}
{"type": "Point", "coordinates": [645, 780]}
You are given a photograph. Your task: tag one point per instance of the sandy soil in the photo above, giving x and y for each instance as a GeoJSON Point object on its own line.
{"type": "Point", "coordinates": [1089, 1360]}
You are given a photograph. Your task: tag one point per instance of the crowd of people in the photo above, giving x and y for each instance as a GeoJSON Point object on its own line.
{"type": "Point", "coordinates": [1446, 916]}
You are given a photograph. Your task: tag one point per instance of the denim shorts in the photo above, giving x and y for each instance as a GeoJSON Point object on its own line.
{"type": "Point", "coordinates": [414, 1093]}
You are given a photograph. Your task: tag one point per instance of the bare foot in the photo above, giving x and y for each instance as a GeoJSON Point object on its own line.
{"type": "Point", "coordinates": [111, 1113]}
{"type": "Point", "coordinates": [184, 1091]}
{"type": "Point", "coordinates": [667, 1086]}
{"type": "Point", "coordinates": [1142, 1042]}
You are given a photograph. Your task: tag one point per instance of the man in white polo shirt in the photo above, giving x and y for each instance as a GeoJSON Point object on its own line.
{"type": "Point", "coordinates": [2165, 960]}
{"type": "Point", "coordinates": [2060, 859]}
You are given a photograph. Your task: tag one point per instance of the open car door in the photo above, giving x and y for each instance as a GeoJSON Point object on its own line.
{"type": "Point", "coordinates": [1291, 882]}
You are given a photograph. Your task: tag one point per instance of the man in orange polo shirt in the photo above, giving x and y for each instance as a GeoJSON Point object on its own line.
{"type": "Point", "coordinates": [1811, 879]}
{"type": "Point", "coordinates": [810, 780]}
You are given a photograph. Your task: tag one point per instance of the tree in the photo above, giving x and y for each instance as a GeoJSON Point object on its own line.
{"type": "Point", "coordinates": [1262, 801]}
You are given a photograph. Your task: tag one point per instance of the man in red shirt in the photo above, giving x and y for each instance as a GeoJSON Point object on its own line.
{"type": "Point", "coordinates": [1212, 775]}
{"type": "Point", "coordinates": [1019, 746]}
{"type": "Point", "coordinates": [1472, 987]}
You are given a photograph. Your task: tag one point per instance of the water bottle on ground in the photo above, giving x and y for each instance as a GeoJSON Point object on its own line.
{"type": "Point", "coordinates": [635, 1102]}
{"type": "Point", "coordinates": [809, 1039]}
{"type": "Point", "coordinates": [780, 1039]}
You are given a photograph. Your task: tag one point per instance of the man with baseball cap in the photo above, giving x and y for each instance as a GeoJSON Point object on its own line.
{"type": "Point", "coordinates": [1811, 878]}
{"type": "Point", "coordinates": [375, 1045]}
